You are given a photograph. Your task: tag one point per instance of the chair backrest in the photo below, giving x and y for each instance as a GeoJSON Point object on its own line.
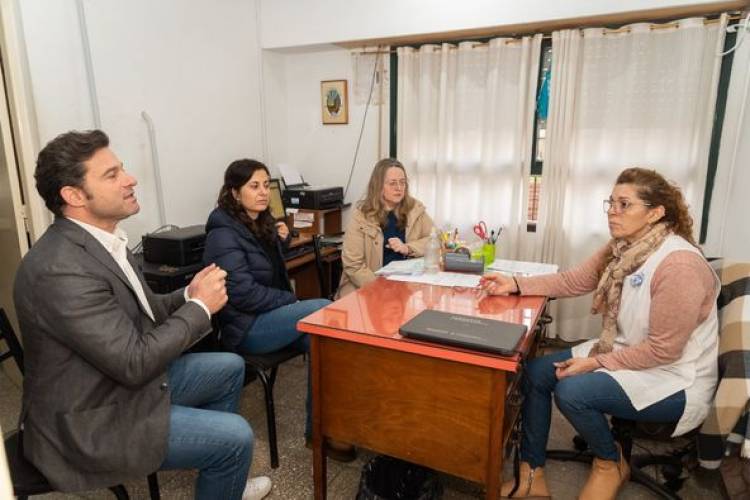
{"type": "Point", "coordinates": [14, 346]}
{"type": "Point", "coordinates": [319, 242]}
{"type": "Point", "coordinates": [733, 392]}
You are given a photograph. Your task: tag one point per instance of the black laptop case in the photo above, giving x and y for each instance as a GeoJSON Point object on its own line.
{"type": "Point", "coordinates": [469, 332]}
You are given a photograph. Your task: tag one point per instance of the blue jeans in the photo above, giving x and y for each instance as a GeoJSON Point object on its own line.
{"type": "Point", "coordinates": [205, 431]}
{"type": "Point", "coordinates": [584, 400]}
{"type": "Point", "coordinates": [277, 329]}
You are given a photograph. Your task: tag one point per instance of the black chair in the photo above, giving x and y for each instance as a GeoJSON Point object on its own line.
{"type": "Point", "coordinates": [265, 367]}
{"type": "Point", "coordinates": [15, 350]}
{"type": "Point", "coordinates": [623, 430]}
{"type": "Point", "coordinates": [27, 480]}
{"type": "Point", "coordinates": [328, 281]}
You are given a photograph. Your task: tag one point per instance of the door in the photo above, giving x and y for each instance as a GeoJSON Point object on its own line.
{"type": "Point", "coordinates": [14, 240]}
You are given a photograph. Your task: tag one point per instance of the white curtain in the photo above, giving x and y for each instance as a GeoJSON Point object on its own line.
{"type": "Point", "coordinates": [644, 96]}
{"type": "Point", "coordinates": [465, 121]}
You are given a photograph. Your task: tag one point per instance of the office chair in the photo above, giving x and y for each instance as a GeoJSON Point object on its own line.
{"type": "Point", "coordinates": [27, 480]}
{"type": "Point", "coordinates": [329, 283]}
{"type": "Point", "coordinates": [15, 350]}
{"type": "Point", "coordinates": [265, 367]}
{"type": "Point", "coordinates": [735, 286]}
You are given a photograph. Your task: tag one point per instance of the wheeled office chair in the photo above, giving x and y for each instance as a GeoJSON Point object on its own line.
{"type": "Point", "coordinates": [735, 279]}
{"type": "Point", "coordinates": [26, 479]}
{"type": "Point", "coordinates": [671, 463]}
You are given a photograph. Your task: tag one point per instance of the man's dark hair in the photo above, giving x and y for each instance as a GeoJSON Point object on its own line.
{"type": "Point", "coordinates": [60, 164]}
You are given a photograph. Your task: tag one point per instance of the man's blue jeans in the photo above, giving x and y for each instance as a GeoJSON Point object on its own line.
{"type": "Point", "coordinates": [205, 431]}
{"type": "Point", "coordinates": [585, 400]}
{"type": "Point", "coordinates": [277, 329]}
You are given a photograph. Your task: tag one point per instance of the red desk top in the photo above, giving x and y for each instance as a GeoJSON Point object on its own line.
{"type": "Point", "coordinates": [373, 314]}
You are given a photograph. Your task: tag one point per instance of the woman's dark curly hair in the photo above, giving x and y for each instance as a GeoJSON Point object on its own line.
{"type": "Point", "coordinates": [237, 174]}
{"type": "Point", "coordinates": [655, 190]}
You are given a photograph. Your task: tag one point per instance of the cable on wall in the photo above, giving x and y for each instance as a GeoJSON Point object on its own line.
{"type": "Point", "coordinates": [362, 128]}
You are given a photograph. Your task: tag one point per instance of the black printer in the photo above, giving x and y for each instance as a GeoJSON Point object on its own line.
{"type": "Point", "coordinates": [176, 247]}
{"type": "Point", "coordinates": [313, 197]}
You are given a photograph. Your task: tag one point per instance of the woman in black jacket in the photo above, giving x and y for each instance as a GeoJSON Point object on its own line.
{"type": "Point", "coordinates": [244, 239]}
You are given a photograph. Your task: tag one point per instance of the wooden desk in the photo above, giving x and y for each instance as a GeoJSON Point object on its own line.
{"type": "Point", "coordinates": [432, 405]}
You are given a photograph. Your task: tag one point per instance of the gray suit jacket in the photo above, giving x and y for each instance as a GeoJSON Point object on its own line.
{"type": "Point", "coordinates": [96, 400]}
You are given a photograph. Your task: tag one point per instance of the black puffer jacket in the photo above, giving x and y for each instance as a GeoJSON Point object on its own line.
{"type": "Point", "coordinates": [231, 246]}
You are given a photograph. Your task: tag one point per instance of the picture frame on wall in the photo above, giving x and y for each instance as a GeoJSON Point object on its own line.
{"type": "Point", "coordinates": [334, 102]}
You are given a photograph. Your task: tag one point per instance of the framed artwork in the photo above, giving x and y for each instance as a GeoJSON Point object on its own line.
{"type": "Point", "coordinates": [334, 102]}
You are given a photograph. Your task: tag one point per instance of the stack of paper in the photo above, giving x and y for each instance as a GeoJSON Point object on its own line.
{"type": "Point", "coordinates": [441, 279]}
{"type": "Point", "coordinates": [303, 220]}
{"type": "Point", "coordinates": [402, 267]}
{"type": "Point", "coordinates": [522, 268]}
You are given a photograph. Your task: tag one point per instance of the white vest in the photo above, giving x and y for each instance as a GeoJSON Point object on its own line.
{"type": "Point", "coordinates": [696, 371]}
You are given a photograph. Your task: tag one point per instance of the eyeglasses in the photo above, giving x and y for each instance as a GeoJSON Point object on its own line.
{"type": "Point", "coordinates": [397, 183]}
{"type": "Point", "coordinates": [620, 206]}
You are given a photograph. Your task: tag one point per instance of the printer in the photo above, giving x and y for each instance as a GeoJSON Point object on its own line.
{"type": "Point", "coordinates": [312, 197]}
{"type": "Point", "coordinates": [176, 247]}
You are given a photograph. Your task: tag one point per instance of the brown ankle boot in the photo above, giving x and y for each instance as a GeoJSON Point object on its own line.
{"type": "Point", "coordinates": [531, 483]}
{"type": "Point", "coordinates": [605, 479]}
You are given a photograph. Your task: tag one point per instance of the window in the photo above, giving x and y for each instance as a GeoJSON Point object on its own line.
{"type": "Point", "coordinates": [540, 134]}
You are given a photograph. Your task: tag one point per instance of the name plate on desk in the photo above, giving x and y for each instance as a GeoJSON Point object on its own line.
{"type": "Point", "coordinates": [469, 332]}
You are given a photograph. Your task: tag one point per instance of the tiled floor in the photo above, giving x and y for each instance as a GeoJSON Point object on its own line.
{"type": "Point", "coordinates": [293, 479]}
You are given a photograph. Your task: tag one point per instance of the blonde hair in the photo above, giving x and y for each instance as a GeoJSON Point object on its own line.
{"type": "Point", "coordinates": [373, 207]}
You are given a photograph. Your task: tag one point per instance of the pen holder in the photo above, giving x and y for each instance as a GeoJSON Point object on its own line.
{"type": "Point", "coordinates": [488, 253]}
{"type": "Point", "coordinates": [477, 251]}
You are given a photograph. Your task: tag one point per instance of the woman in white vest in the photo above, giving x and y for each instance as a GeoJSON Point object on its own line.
{"type": "Point", "coordinates": [656, 357]}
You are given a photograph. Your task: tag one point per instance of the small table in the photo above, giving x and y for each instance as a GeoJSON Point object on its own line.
{"type": "Point", "coordinates": [438, 406]}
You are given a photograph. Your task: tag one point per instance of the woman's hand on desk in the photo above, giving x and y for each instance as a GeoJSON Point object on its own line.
{"type": "Point", "coordinates": [282, 230]}
{"type": "Point", "coordinates": [398, 246]}
{"type": "Point", "coordinates": [575, 366]}
{"type": "Point", "coordinates": [498, 284]}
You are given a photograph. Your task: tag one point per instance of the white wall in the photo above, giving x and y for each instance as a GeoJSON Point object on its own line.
{"type": "Point", "coordinates": [290, 23]}
{"type": "Point", "coordinates": [323, 154]}
{"type": "Point", "coordinates": [191, 65]}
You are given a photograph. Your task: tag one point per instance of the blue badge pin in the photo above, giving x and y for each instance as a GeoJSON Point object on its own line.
{"type": "Point", "coordinates": [636, 280]}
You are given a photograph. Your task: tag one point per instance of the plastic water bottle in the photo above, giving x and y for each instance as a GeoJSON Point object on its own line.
{"type": "Point", "coordinates": [432, 254]}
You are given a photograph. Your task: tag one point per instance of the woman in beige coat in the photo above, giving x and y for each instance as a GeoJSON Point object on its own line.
{"type": "Point", "coordinates": [387, 225]}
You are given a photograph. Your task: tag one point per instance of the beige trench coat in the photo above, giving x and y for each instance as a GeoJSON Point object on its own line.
{"type": "Point", "coordinates": [362, 252]}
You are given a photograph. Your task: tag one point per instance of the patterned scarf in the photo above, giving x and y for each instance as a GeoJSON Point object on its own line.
{"type": "Point", "coordinates": [626, 258]}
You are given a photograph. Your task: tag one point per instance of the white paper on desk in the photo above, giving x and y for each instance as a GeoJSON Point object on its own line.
{"type": "Point", "coordinates": [303, 220]}
{"type": "Point", "coordinates": [290, 174]}
{"type": "Point", "coordinates": [440, 279]}
{"type": "Point", "coordinates": [304, 217]}
{"type": "Point", "coordinates": [402, 267]}
{"type": "Point", "coordinates": [522, 268]}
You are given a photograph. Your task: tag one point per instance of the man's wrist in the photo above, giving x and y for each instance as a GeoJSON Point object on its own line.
{"type": "Point", "coordinates": [201, 304]}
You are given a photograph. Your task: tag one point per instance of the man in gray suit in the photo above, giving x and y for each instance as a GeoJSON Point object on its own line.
{"type": "Point", "coordinates": [108, 394]}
